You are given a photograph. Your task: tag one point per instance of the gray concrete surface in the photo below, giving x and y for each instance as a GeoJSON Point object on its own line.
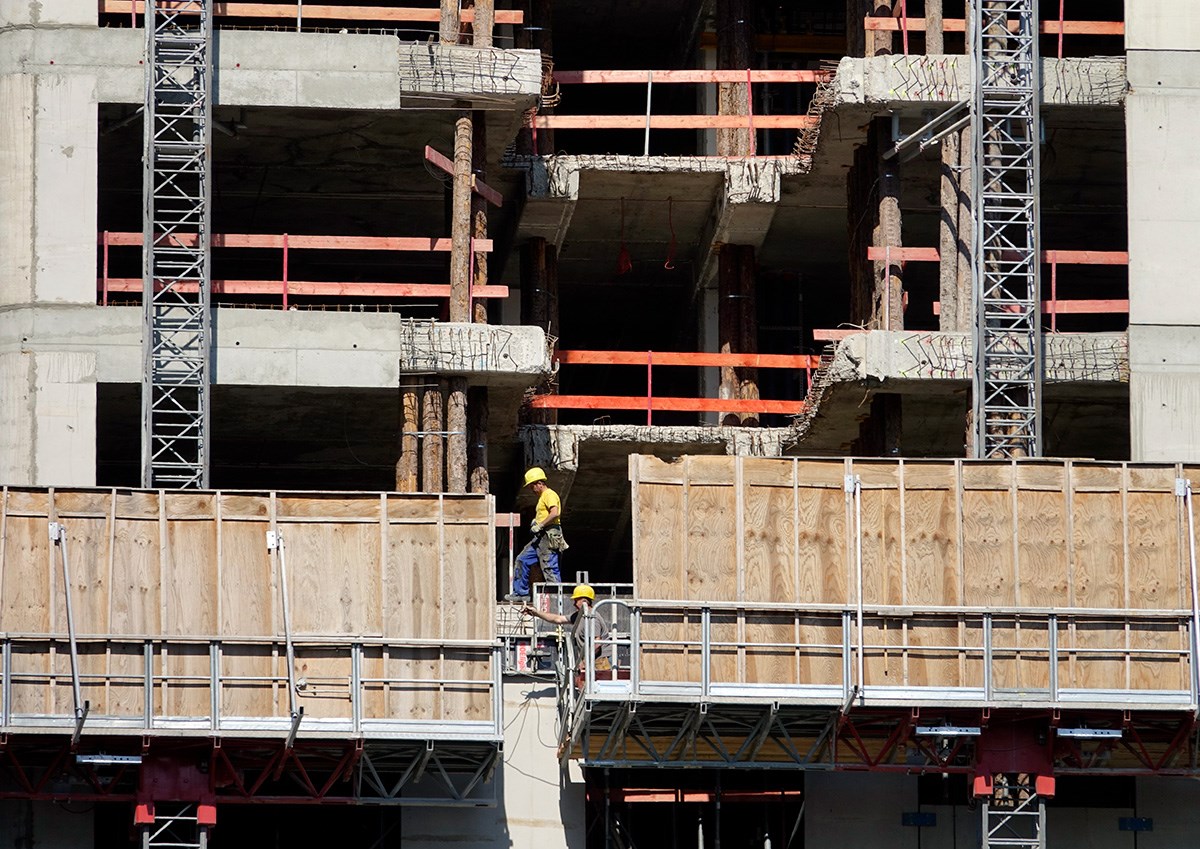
{"type": "Point", "coordinates": [1162, 125]}
{"type": "Point", "coordinates": [304, 70]}
{"type": "Point", "coordinates": [1093, 81]}
{"type": "Point", "coordinates": [294, 347]}
{"type": "Point", "coordinates": [47, 825]}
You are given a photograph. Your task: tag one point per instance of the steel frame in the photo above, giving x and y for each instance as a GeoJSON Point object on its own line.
{"type": "Point", "coordinates": [259, 770]}
{"type": "Point", "coordinates": [1014, 816]}
{"type": "Point", "coordinates": [177, 333]}
{"type": "Point", "coordinates": [1005, 122]}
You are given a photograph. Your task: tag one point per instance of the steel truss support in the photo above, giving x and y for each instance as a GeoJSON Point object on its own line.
{"type": "Point", "coordinates": [179, 825]}
{"type": "Point", "coordinates": [1008, 367]}
{"type": "Point", "coordinates": [177, 332]}
{"type": "Point", "coordinates": [252, 771]}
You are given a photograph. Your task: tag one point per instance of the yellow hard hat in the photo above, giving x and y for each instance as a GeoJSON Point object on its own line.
{"type": "Point", "coordinates": [533, 475]}
{"type": "Point", "coordinates": [584, 591]}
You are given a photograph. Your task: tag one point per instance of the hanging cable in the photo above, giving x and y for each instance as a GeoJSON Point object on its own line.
{"type": "Point", "coordinates": [624, 262]}
{"type": "Point", "coordinates": [669, 265]}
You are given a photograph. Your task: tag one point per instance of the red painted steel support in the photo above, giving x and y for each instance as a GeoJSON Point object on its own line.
{"type": "Point", "coordinates": [904, 25]}
{"type": "Point", "coordinates": [649, 388]}
{"type": "Point", "coordinates": [104, 285]}
{"type": "Point", "coordinates": [750, 113]}
{"type": "Point", "coordinates": [285, 271]}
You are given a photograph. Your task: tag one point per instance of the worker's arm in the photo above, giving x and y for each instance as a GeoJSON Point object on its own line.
{"type": "Point", "coordinates": [552, 618]}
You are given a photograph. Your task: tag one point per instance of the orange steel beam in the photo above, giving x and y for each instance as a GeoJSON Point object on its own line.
{"type": "Point", "coordinates": [480, 188]}
{"type": "Point", "coordinates": [662, 358]}
{"type": "Point", "coordinates": [673, 122]}
{"type": "Point", "coordinates": [689, 76]}
{"type": "Point", "coordinates": [684, 405]}
{"type": "Point", "coordinates": [1079, 306]}
{"type": "Point", "coordinates": [622, 794]}
{"type": "Point", "coordinates": [341, 13]}
{"type": "Point", "coordinates": [303, 287]}
{"type": "Point", "coordinates": [416, 244]}
{"type": "Point", "coordinates": [836, 334]}
{"type": "Point", "coordinates": [882, 254]}
{"type": "Point", "coordinates": [890, 24]}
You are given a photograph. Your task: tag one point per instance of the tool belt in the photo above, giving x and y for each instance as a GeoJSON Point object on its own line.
{"type": "Point", "coordinates": [553, 538]}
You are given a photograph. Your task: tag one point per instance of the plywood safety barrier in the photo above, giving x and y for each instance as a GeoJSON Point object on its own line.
{"type": "Point", "coordinates": [1053, 580]}
{"type": "Point", "coordinates": [177, 610]}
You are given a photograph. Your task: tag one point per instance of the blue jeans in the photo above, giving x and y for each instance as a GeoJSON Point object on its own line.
{"type": "Point", "coordinates": [537, 549]}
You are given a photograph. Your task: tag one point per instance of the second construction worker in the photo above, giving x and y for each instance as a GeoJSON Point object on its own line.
{"type": "Point", "coordinates": [547, 540]}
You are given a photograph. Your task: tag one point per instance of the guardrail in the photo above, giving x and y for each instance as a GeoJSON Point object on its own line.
{"type": "Point", "coordinates": [649, 121]}
{"type": "Point", "coordinates": [892, 656]}
{"type": "Point", "coordinates": [299, 11]}
{"type": "Point", "coordinates": [1052, 306]}
{"type": "Point", "coordinates": [285, 287]}
{"type": "Point", "coordinates": [904, 24]}
{"type": "Point", "coordinates": [652, 403]}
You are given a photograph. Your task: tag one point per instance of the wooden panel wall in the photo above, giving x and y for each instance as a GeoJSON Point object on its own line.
{"type": "Point", "coordinates": [1039, 534]}
{"type": "Point", "coordinates": [149, 567]}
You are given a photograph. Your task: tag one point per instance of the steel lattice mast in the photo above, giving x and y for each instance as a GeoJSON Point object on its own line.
{"type": "Point", "coordinates": [1006, 256]}
{"type": "Point", "coordinates": [175, 253]}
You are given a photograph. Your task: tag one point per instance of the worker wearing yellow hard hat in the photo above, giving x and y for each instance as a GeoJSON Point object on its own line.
{"type": "Point", "coordinates": [547, 541]}
{"type": "Point", "coordinates": [583, 598]}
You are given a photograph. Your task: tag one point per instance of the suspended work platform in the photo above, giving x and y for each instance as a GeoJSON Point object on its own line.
{"type": "Point", "coordinates": [351, 637]}
{"type": "Point", "coordinates": [852, 613]}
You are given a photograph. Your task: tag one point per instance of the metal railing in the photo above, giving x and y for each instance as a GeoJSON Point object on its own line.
{"type": "Point", "coordinates": [697, 651]}
{"type": "Point", "coordinates": [212, 672]}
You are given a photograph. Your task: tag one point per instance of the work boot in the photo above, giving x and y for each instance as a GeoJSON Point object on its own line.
{"type": "Point", "coordinates": [514, 598]}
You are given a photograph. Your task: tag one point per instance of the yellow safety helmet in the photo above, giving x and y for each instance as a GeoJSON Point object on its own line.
{"type": "Point", "coordinates": [584, 591]}
{"type": "Point", "coordinates": [534, 475]}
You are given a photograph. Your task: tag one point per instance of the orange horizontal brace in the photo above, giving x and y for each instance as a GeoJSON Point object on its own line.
{"type": "Point", "coordinates": [1086, 257]}
{"type": "Point", "coordinates": [875, 252]}
{"type": "Point", "coordinates": [683, 405]}
{"type": "Point", "coordinates": [673, 122]}
{"type": "Point", "coordinates": [322, 288]}
{"type": "Point", "coordinates": [890, 24]}
{"type": "Point", "coordinates": [341, 13]}
{"type": "Point", "coordinates": [666, 358]}
{"type": "Point", "coordinates": [1075, 306]}
{"type": "Point", "coordinates": [367, 243]}
{"type": "Point", "coordinates": [627, 794]}
{"type": "Point", "coordinates": [439, 159]}
{"type": "Point", "coordinates": [689, 76]}
{"type": "Point", "coordinates": [836, 334]}
{"type": "Point", "coordinates": [884, 254]}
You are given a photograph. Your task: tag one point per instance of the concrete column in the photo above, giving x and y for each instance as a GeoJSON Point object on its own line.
{"type": "Point", "coordinates": [410, 422]}
{"type": "Point", "coordinates": [448, 25]}
{"type": "Point", "coordinates": [948, 319]}
{"type": "Point", "coordinates": [479, 221]}
{"type": "Point", "coordinates": [888, 298]}
{"type": "Point", "coordinates": [432, 440]}
{"type": "Point", "coordinates": [47, 257]}
{"type": "Point", "coordinates": [36, 13]}
{"type": "Point", "coordinates": [934, 28]}
{"type": "Point", "coordinates": [477, 439]}
{"type": "Point", "coordinates": [1162, 113]}
{"type": "Point", "coordinates": [460, 223]}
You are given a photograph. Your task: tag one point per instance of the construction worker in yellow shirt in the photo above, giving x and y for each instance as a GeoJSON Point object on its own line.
{"type": "Point", "coordinates": [547, 540]}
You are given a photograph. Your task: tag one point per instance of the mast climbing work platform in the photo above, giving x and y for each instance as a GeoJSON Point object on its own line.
{"type": "Point", "coordinates": [175, 254]}
{"type": "Point", "coordinates": [1005, 124]}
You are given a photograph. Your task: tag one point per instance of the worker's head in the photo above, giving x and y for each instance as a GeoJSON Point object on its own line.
{"type": "Point", "coordinates": [535, 479]}
{"type": "Point", "coordinates": [583, 595]}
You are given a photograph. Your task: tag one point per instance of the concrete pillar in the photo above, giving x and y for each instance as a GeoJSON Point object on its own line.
{"type": "Point", "coordinates": [460, 222]}
{"type": "Point", "coordinates": [479, 208]}
{"type": "Point", "coordinates": [540, 806]}
{"type": "Point", "coordinates": [477, 439]}
{"type": "Point", "coordinates": [948, 319]}
{"type": "Point", "coordinates": [888, 297]}
{"type": "Point", "coordinates": [1162, 113]}
{"type": "Point", "coordinates": [410, 422]}
{"type": "Point", "coordinates": [36, 13]}
{"type": "Point", "coordinates": [47, 256]}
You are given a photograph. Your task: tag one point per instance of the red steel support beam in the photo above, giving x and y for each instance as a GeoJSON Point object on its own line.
{"type": "Point", "coordinates": [340, 13]}
{"type": "Point", "coordinates": [674, 122]}
{"type": "Point", "coordinates": [689, 76]}
{"type": "Point", "coordinates": [659, 404]}
{"type": "Point", "coordinates": [1075, 306]}
{"type": "Point", "coordinates": [1060, 257]}
{"type": "Point", "coordinates": [319, 288]}
{"type": "Point", "coordinates": [958, 25]}
{"type": "Point", "coordinates": [415, 244]}
{"type": "Point", "coordinates": [638, 358]}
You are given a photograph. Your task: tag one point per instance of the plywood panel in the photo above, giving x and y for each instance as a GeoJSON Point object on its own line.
{"type": "Point", "coordinates": [930, 537]}
{"type": "Point", "coordinates": [883, 660]}
{"type": "Point", "coordinates": [413, 589]}
{"type": "Point", "coordinates": [882, 566]}
{"type": "Point", "coordinates": [820, 660]}
{"type": "Point", "coordinates": [711, 561]}
{"type": "Point", "coordinates": [190, 577]}
{"type": "Point", "coordinates": [934, 659]}
{"type": "Point", "coordinates": [411, 691]}
{"type": "Point", "coordinates": [1154, 556]}
{"type": "Point", "coordinates": [333, 569]}
{"type": "Point", "coordinates": [770, 531]}
{"type": "Point", "coordinates": [1042, 548]}
{"type": "Point", "coordinates": [775, 657]}
{"type": "Point", "coordinates": [1163, 666]}
{"type": "Point", "coordinates": [135, 606]}
{"type": "Point", "coordinates": [28, 575]}
{"type": "Point", "coordinates": [822, 555]}
{"type": "Point", "coordinates": [323, 682]}
{"type": "Point", "coordinates": [1098, 531]}
{"type": "Point", "coordinates": [987, 547]}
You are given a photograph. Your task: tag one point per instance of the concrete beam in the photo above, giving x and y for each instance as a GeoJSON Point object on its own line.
{"type": "Point", "coordinates": [47, 418]}
{"type": "Point", "coordinates": [302, 70]}
{"type": "Point", "coordinates": [293, 348]}
{"type": "Point", "coordinates": [898, 80]}
{"type": "Point", "coordinates": [551, 193]}
{"type": "Point", "coordinates": [743, 213]}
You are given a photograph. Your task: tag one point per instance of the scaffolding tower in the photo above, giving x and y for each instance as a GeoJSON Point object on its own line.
{"type": "Point", "coordinates": [175, 253]}
{"type": "Point", "coordinates": [1015, 815]}
{"type": "Point", "coordinates": [1007, 396]}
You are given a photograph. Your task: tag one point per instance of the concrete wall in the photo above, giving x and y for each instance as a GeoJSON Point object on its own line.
{"type": "Point", "coordinates": [1162, 126]}
{"type": "Point", "coordinates": [540, 806]}
{"type": "Point", "coordinates": [46, 825]}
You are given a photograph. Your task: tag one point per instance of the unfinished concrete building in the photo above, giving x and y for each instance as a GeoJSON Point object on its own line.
{"type": "Point", "coordinates": [291, 295]}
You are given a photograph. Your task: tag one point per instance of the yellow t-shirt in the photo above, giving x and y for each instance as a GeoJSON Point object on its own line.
{"type": "Point", "coordinates": [548, 498]}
